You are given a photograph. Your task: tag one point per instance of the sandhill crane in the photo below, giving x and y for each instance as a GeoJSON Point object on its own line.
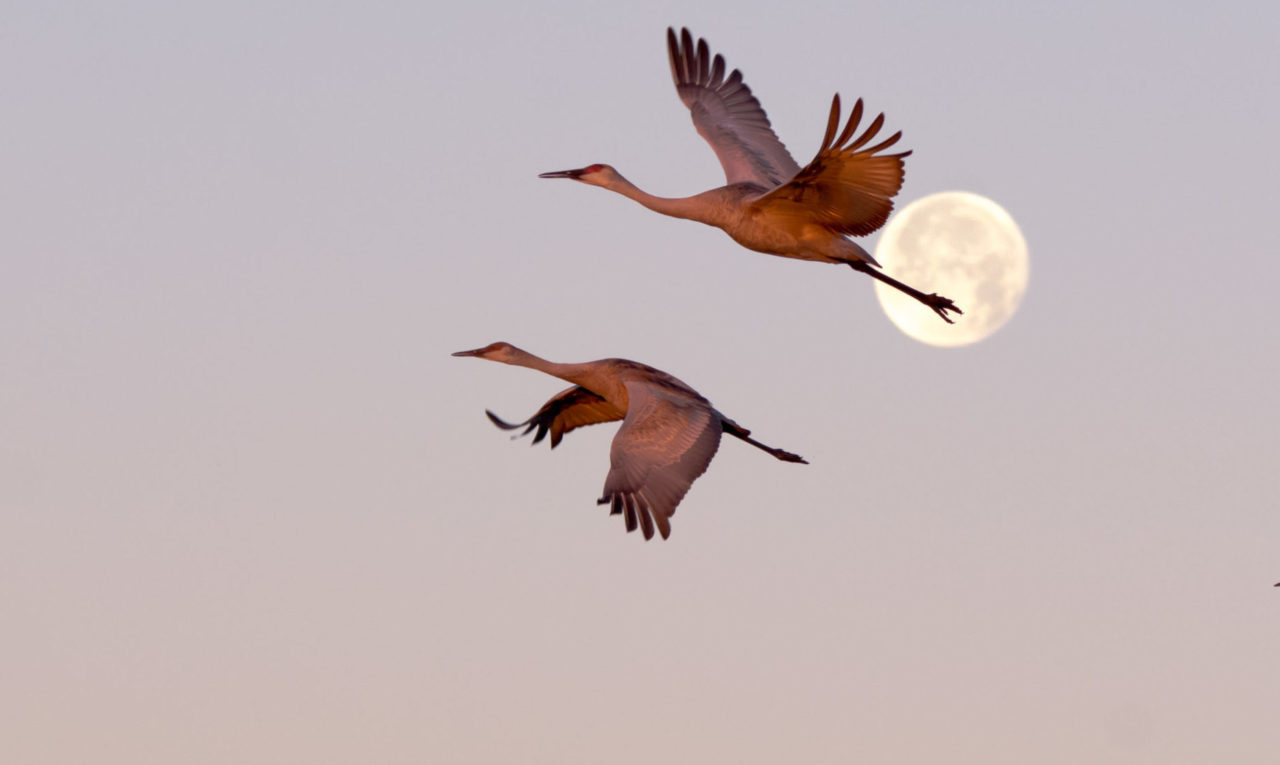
{"type": "Point", "coordinates": [668, 436]}
{"type": "Point", "coordinates": [770, 204]}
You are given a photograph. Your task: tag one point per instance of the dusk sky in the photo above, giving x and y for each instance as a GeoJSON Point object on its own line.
{"type": "Point", "coordinates": [251, 511]}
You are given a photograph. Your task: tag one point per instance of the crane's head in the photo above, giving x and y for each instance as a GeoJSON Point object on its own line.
{"type": "Point", "coordinates": [499, 351]}
{"type": "Point", "coordinates": [594, 175]}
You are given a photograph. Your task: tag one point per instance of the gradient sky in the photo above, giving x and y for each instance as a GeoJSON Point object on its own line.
{"type": "Point", "coordinates": [251, 511]}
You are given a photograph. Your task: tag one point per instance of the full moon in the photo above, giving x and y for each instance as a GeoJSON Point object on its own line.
{"type": "Point", "coordinates": [960, 245]}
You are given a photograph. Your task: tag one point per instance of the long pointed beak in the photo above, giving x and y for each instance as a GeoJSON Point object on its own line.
{"type": "Point", "coordinates": [572, 174]}
{"type": "Point", "coordinates": [476, 352]}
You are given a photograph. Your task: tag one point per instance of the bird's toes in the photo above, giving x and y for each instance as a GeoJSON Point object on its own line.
{"type": "Point", "coordinates": [941, 305]}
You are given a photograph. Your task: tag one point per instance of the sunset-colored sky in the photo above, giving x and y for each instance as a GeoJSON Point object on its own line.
{"type": "Point", "coordinates": [251, 511]}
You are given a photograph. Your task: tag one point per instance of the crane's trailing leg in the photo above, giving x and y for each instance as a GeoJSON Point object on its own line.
{"type": "Point", "coordinates": [734, 429]}
{"type": "Point", "coordinates": [938, 303]}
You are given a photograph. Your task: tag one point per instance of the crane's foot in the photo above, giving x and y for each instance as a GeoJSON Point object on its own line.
{"type": "Point", "coordinates": [940, 306]}
{"type": "Point", "coordinates": [938, 303]}
{"type": "Point", "coordinates": [787, 456]}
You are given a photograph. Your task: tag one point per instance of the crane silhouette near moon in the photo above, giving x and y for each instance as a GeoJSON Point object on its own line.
{"type": "Point", "coordinates": [962, 241]}
{"type": "Point", "coordinates": [769, 203]}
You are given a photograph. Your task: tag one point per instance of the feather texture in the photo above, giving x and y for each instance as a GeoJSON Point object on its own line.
{"type": "Point", "coordinates": [846, 188]}
{"type": "Point", "coordinates": [566, 411]}
{"type": "Point", "coordinates": [727, 115]}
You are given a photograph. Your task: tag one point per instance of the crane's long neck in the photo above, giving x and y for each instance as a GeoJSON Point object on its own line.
{"type": "Point", "coordinates": [689, 208]}
{"type": "Point", "coordinates": [579, 374]}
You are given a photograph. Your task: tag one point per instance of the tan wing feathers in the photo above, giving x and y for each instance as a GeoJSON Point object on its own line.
{"type": "Point", "coordinates": [855, 117]}
{"type": "Point", "coordinates": [886, 143]}
{"type": "Point", "coordinates": [703, 60]}
{"type": "Point", "coordinates": [566, 411]}
{"type": "Point", "coordinates": [646, 519]}
{"type": "Point", "coordinates": [677, 61]}
{"type": "Point", "coordinates": [727, 115]}
{"type": "Point", "coordinates": [874, 128]}
{"type": "Point", "coordinates": [833, 124]}
{"type": "Point", "coordinates": [666, 441]}
{"type": "Point", "coordinates": [716, 79]}
{"type": "Point", "coordinates": [846, 188]}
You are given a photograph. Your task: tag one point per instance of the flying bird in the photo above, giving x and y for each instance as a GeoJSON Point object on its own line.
{"type": "Point", "coordinates": [668, 436]}
{"type": "Point", "coordinates": [770, 204]}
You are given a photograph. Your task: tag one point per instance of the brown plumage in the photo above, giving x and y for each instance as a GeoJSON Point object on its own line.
{"type": "Point", "coordinates": [668, 436]}
{"type": "Point", "coordinates": [845, 188]}
{"type": "Point", "coordinates": [769, 203]}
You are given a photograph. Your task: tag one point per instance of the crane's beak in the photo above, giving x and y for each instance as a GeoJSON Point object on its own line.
{"type": "Point", "coordinates": [571, 174]}
{"type": "Point", "coordinates": [476, 352]}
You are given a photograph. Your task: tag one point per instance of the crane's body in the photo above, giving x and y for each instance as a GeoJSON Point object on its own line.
{"type": "Point", "coordinates": [668, 436]}
{"type": "Point", "coordinates": [770, 204]}
{"type": "Point", "coordinates": [730, 209]}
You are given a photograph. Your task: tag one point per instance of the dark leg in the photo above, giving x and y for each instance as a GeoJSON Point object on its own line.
{"type": "Point", "coordinates": [734, 429]}
{"type": "Point", "coordinates": [781, 454]}
{"type": "Point", "coordinates": [938, 303]}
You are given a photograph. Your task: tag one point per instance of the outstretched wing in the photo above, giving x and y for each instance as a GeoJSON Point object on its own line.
{"type": "Point", "coordinates": [567, 410]}
{"type": "Point", "coordinates": [666, 441]}
{"type": "Point", "coordinates": [727, 115]}
{"type": "Point", "coordinates": [846, 188]}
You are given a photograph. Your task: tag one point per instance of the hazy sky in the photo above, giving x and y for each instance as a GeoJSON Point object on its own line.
{"type": "Point", "coordinates": [252, 512]}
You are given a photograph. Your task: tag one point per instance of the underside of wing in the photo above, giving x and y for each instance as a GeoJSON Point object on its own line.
{"type": "Point", "coordinates": [567, 410]}
{"type": "Point", "coordinates": [847, 188]}
{"type": "Point", "coordinates": [666, 441]}
{"type": "Point", "coordinates": [727, 115]}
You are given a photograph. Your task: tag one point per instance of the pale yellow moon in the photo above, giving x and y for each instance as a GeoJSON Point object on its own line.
{"type": "Point", "coordinates": [960, 245]}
